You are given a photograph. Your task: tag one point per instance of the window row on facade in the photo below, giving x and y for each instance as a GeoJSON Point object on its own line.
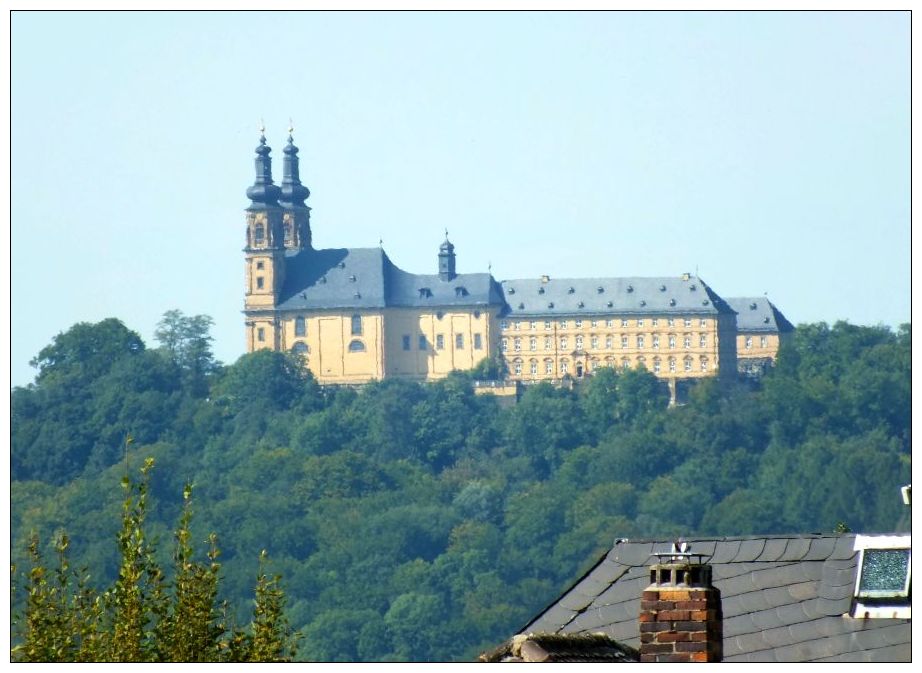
{"type": "Point", "coordinates": [672, 365]}
{"type": "Point", "coordinates": [763, 341]}
{"type": "Point", "coordinates": [580, 323]}
{"type": "Point", "coordinates": [422, 342]}
{"type": "Point", "coordinates": [595, 342]}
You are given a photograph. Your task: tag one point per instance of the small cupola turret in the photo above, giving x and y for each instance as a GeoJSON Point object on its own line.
{"type": "Point", "coordinates": [446, 259]}
{"type": "Point", "coordinates": [262, 193]}
{"type": "Point", "coordinates": [297, 217]}
{"type": "Point", "coordinates": [293, 193]}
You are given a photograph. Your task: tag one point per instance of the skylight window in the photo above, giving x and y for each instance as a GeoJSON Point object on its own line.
{"type": "Point", "coordinates": [883, 584]}
{"type": "Point", "coordinates": [884, 573]}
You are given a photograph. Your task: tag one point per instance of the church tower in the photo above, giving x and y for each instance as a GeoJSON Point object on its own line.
{"type": "Point", "coordinates": [447, 260]}
{"type": "Point", "coordinates": [296, 216]}
{"type": "Point", "coordinates": [265, 254]}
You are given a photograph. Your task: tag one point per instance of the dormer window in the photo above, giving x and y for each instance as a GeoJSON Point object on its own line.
{"type": "Point", "coordinates": [540, 290]}
{"type": "Point", "coordinates": [883, 584]}
{"type": "Point", "coordinates": [511, 290]}
{"type": "Point", "coordinates": [424, 292]}
{"type": "Point", "coordinates": [460, 291]}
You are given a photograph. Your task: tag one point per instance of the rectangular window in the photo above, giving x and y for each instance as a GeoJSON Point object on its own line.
{"type": "Point", "coordinates": [656, 366]}
{"type": "Point", "coordinates": [609, 342]}
{"type": "Point", "coordinates": [478, 342]}
{"type": "Point", "coordinates": [671, 365]}
{"type": "Point", "coordinates": [884, 573]}
{"type": "Point", "coordinates": [640, 341]}
{"type": "Point", "coordinates": [749, 342]}
{"type": "Point", "coordinates": [423, 345]}
{"type": "Point", "coordinates": [623, 341]}
{"type": "Point", "coordinates": [440, 342]}
{"type": "Point", "coordinates": [704, 322]}
{"type": "Point", "coordinates": [504, 345]}
{"type": "Point", "coordinates": [260, 334]}
{"type": "Point", "coordinates": [549, 367]}
{"type": "Point", "coordinates": [564, 366]}
{"type": "Point", "coordinates": [516, 324]}
{"type": "Point", "coordinates": [356, 325]}
{"type": "Point", "coordinates": [688, 322]}
{"type": "Point", "coordinates": [594, 323]}
{"type": "Point", "coordinates": [533, 343]}
{"type": "Point", "coordinates": [763, 341]}
{"type": "Point", "coordinates": [688, 364]}
{"type": "Point", "coordinates": [670, 322]}
{"type": "Point", "coordinates": [547, 324]}
{"type": "Point", "coordinates": [656, 340]}
{"type": "Point", "coordinates": [563, 324]}
{"type": "Point", "coordinates": [563, 343]}
{"type": "Point", "coordinates": [654, 322]}
{"type": "Point", "coordinates": [459, 341]}
{"type": "Point", "coordinates": [533, 325]}
{"type": "Point", "coordinates": [686, 341]}
{"type": "Point", "coordinates": [548, 343]}
{"type": "Point", "coordinates": [260, 266]}
{"type": "Point", "coordinates": [503, 324]}
{"type": "Point", "coordinates": [671, 341]}
{"type": "Point", "coordinates": [534, 367]}
{"type": "Point", "coordinates": [517, 344]}
{"type": "Point", "coordinates": [703, 341]}
{"type": "Point", "coordinates": [259, 282]}
{"type": "Point", "coordinates": [300, 326]}
{"type": "Point", "coordinates": [579, 324]}
{"type": "Point", "coordinates": [609, 323]}
{"type": "Point", "coordinates": [594, 342]}
{"type": "Point", "coordinates": [640, 322]}
{"type": "Point", "coordinates": [624, 322]}
{"type": "Point", "coordinates": [406, 342]}
{"type": "Point", "coordinates": [579, 342]}
{"type": "Point", "coordinates": [518, 367]}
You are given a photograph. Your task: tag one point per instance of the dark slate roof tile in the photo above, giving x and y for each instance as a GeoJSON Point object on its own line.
{"type": "Point", "coordinates": [774, 549]}
{"type": "Point", "coordinates": [838, 574]}
{"type": "Point", "coordinates": [576, 601]}
{"type": "Point", "coordinates": [801, 591]}
{"type": "Point", "coordinates": [726, 551]}
{"type": "Point", "coordinates": [825, 606]}
{"type": "Point", "coordinates": [553, 619]}
{"type": "Point", "coordinates": [792, 613]}
{"type": "Point", "coordinates": [704, 546]}
{"type": "Point", "coordinates": [835, 592]}
{"type": "Point", "coordinates": [766, 619]}
{"type": "Point", "coordinates": [637, 554]}
{"type": "Point", "coordinates": [593, 619]}
{"type": "Point", "coordinates": [750, 550]}
{"type": "Point", "coordinates": [845, 548]}
{"type": "Point", "coordinates": [796, 548]}
{"type": "Point", "coordinates": [820, 549]}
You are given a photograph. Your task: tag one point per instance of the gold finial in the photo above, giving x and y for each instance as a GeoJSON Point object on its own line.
{"type": "Point", "coordinates": [262, 127]}
{"type": "Point", "coordinates": [291, 126]}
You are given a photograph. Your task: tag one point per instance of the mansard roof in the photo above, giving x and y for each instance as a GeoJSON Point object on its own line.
{"type": "Point", "coordinates": [357, 278]}
{"type": "Point", "coordinates": [758, 314]}
{"type": "Point", "coordinates": [784, 598]}
{"type": "Point", "coordinates": [686, 294]}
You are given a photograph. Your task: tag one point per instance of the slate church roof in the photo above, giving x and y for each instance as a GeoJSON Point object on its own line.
{"type": "Point", "coordinates": [784, 598]}
{"type": "Point", "coordinates": [758, 314]}
{"type": "Point", "coordinates": [356, 278]}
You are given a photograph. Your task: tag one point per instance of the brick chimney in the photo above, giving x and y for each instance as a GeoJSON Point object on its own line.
{"type": "Point", "coordinates": [680, 615]}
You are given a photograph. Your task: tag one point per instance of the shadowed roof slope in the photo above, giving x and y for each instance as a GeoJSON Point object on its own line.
{"type": "Point", "coordinates": [758, 314]}
{"type": "Point", "coordinates": [784, 598]}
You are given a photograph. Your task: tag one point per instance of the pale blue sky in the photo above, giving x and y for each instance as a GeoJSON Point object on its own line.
{"type": "Point", "coordinates": [768, 150]}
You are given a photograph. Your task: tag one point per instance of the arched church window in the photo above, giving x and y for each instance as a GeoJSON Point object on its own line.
{"type": "Point", "coordinates": [357, 326]}
{"type": "Point", "coordinates": [356, 346]}
{"type": "Point", "coordinates": [259, 235]}
{"type": "Point", "coordinates": [300, 348]}
{"type": "Point", "coordinates": [300, 326]}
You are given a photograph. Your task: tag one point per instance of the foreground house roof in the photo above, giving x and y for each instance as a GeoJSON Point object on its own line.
{"type": "Point", "coordinates": [560, 648]}
{"type": "Point", "coordinates": [784, 599]}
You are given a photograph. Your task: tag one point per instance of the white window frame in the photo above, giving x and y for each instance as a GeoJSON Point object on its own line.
{"type": "Point", "coordinates": [896, 610]}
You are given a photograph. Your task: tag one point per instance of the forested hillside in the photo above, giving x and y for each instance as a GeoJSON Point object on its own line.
{"type": "Point", "coordinates": [422, 522]}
